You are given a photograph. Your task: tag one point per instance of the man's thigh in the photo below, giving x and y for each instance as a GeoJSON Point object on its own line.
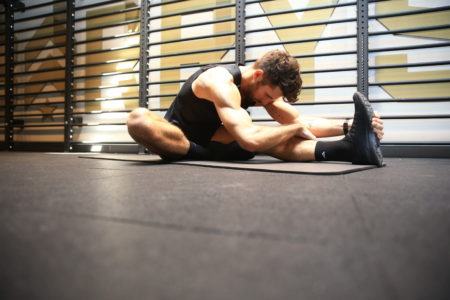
{"type": "Point", "coordinates": [224, 147]}
{"type": "Point", "coordinates": [222, 136]}
{"type": "Point", "coordinates": [158, 135]}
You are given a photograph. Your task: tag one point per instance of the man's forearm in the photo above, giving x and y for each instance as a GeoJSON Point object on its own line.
{"type": "Point", "coordinates": [266, 137]}
{"type": "Point", "coordinates": [321, 127]}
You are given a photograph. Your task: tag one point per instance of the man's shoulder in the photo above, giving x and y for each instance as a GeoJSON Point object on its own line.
{"type": "Point", "coordinates": [216, 74]}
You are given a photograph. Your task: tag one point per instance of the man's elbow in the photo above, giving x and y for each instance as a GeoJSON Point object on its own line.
{"type": "Point", "coordinates": [248, 143]}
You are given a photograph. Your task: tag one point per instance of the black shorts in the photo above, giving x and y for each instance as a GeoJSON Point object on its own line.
{"type": "Point", "coordinates": [214, 151]}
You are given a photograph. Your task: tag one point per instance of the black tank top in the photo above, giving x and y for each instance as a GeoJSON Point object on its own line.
{"type": "Point", "coordinates": [197, 117]}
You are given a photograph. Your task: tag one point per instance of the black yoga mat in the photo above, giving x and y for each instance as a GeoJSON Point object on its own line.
{"type": "Point", "coordinates": [259, 163]}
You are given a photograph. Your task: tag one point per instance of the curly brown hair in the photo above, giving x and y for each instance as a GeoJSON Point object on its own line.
{"type": "Point", "coordinates": [281, 69]}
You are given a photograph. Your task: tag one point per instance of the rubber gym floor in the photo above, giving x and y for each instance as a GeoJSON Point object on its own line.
{"type": "Point", "coordinates": [74, 228]}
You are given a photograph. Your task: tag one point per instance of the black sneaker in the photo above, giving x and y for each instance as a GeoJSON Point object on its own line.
{"type": "Point", "coordinates": [366, 146]}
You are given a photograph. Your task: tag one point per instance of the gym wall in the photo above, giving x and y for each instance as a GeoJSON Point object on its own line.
{"type": "Point", "coordinates": [408, 61]}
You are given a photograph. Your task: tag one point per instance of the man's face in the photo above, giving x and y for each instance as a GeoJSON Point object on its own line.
{"type": "Point", "coordinates": [262, 94]}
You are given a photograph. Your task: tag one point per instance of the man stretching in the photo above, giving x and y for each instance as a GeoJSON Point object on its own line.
{"type": "Point", "coordinates": [208, 119]}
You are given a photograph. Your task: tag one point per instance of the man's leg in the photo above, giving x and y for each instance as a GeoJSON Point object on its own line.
{"type": "Point", "coordinates": [295, 149]}
{"type": "Point", "coordinates": [360, 146]}
{"type": "Point", "coordinates": [157, 134]}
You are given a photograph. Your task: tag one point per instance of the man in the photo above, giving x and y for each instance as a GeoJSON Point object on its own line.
{"type": "Point", "coordinates": [208, 119]}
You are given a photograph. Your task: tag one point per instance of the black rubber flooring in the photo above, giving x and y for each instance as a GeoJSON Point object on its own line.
{"type": "Point", "coordinates": [73, 228]}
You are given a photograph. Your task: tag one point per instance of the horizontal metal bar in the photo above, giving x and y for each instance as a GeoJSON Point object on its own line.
{"type": "Point", "coordinates": [38, 104]}
{"type": "Point", "coordinates": [115, 61]}
{"type": "Point", "coordinates": [100, 112]}
{"type": "Point", "coordinates": [101, 99]}
{"type": "Point", "coordinates": [16, 41]}
{"type": "Point", "coordinates": [106, 50]}
{"type": "Point", "coordinates": [303, 41]}
{"type": "Point", "coordinates": [108, 26]}
{"type": "Point", "coordinates": [192, 25]}
{"type": "Point", "coordinates": [37, 60]}
{"type": "Point", "coordinates": [302, 25]}
{"type": "Point", "coordinates": [329, 70]}
{"type": "Point", "coordinates": [442, 116]}
{"type": "Point", "coordinates": [106, 38]}
{"type": "Point", "coordinates": [162, 96]}
{"type": "Point", "coordinates": [40, 93]}
{"type": "Point", "coordinates": [122, 11]}
{"type": "Point", "coordinates": [414, 47]}
{"type": "Point", "coordinates": [40, 16]}
{"type": "Point", "coordinates": [39, 49]}
{"type": "Point", "coordinates": [104, 75]}
{"type": "Point", "coordinates": [423, 64]}
{"type": "Point", "coordinates": [190, 66]}
{"type": "Point", "coordinates": [40, 27]}
{"type": "Point", "coordinates": [193, 38]}
{"type": "Point", "coordinates": [38, 82]}
{"type": "Point", "coordinates": [326, 54]}
{"type": "Point", "coordinates": [411, 12]}
{"type": "Point", "coordinates": [163, 3]}
{"type": "Point", "coordinates": [398, 117]}
{"type": "Point", "coordinates": [37, 115]}
{"type": "Point", "coordinates": [78, 101]}
{"type": "Point", "coordinates": [415, 29]}
{"type": "Point", "coordinates": [303, 72]}
{"type": "Point", "coordinates": [105, 87]}
{"type": "Point", "coordinates": [192, 52]}
{"type": "Point", "coordinates": [194, 11]}
{"type": "Point", "coordinates": [289, 11]}
{"type": "Point", "coordinates": [316, 55]}
{"type": "Point", "coordinates": [42, 4]}
{"type": "Point", "coordinates": [99, 124]}
{"type": "Point", "coordinates": [165, 82]}
{"type": "Point", "coordinates": [329, 86]}
{"type": "Point", "coordinates": [426, 81]}
{"type": "Point", "coordinates": [39, 125]}
{"type": "Point", "coordinates": [83, 7]}
{"type": "Point", "coordinates": [39, 71]}
{"type": "Point", "coordinates": [406, 100]}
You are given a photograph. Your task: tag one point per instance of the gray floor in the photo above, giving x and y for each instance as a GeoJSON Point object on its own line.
{"type": "Point", "coordinates": [75, 228]}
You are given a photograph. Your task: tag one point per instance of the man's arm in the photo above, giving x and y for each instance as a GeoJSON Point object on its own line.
{"type": "Point", "coordinates": [284, 113]}
{"type": "Point", "coordinates": [219, 88]}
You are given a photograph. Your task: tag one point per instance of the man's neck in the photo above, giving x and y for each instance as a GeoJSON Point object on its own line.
{"type": "Point", "coordinates": [246, 76]}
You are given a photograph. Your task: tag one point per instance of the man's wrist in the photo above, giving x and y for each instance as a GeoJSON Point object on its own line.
{"type": "Point", "coordinates": [346, 126]}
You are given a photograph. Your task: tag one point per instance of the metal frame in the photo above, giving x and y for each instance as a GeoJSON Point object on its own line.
{"type": "Point", "coordinates": [144, 60]}
{"type": "Point", "coordinates": [9, 74]}
{"type": "Point", "coordinates": [362, 15]}
{"type": "Point", "coordinates": [240, 33]}
{"type": "Point", "coordinates": [69, 93]}
{"type": "Point", "coordinates": [240, 46]}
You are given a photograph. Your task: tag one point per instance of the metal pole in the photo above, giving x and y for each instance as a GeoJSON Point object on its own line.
{"type": "Point", "coordinates": [69, 95]}
{"type": "Point", "coordinates": [9, 74]}
{"type": "Point", "coordinates": [362, 17]}
{"type": "Point", "coordinates": [143, 60]}
{"type": "Point", "coordinates": [240, 32]}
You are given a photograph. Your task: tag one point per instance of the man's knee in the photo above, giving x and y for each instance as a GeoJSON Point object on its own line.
{"type": "Point", "coordinates": [137, 114]}
{"type": "Point", "coordinates": [138, 122]}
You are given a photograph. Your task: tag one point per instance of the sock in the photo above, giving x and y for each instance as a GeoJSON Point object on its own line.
{"type": "Point", "coordinates": [197, 152]}
{"type": "Point", "coordinates": [341, 150]}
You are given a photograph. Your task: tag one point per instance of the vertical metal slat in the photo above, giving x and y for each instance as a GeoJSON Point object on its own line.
{"type": "Point", "coordinates": [69, 95]}
{"type": "Point", "coordinates": [363, 46]}
{"type": "Point", "coordinates": [143, 60]}
{"type": "Point", "coordinates": [9, 73]}
{"type": "Point", "coordinates": [240, 32]}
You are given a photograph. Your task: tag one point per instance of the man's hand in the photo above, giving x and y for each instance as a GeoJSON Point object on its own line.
{"type": "Point", "coordinates": [304, 132]}
{"type": "Point", "coordinates": [377, 125]}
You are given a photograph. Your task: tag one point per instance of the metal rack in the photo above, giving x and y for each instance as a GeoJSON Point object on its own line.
{"type": "Point", "coordinates": [82, 65]}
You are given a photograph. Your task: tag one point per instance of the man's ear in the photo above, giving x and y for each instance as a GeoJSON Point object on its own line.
{"type": "Point", "coordinates": [258, 75]}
